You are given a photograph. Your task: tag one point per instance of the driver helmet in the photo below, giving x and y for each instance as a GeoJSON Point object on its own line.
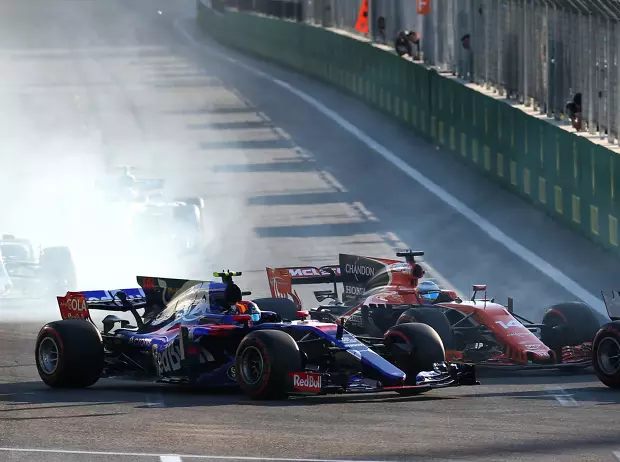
{"type": "Point", "coordinates": [428, 291]}
{"type": "Point", "coordinates": [251, 308]}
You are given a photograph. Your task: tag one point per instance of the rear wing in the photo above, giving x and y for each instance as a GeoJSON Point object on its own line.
{"type": "Point", "coordinates": [299, 275]}
{"type": "Point", "coordinates": [353, 271]}
{"type": "Point", "coordinates": [152, 290]}
{"type": "Point", "coordinates": [282, 280]}
{"type": "Point", "coordinates": [612, 304]}
{"type": "Point", "coordinates": [77, 305]}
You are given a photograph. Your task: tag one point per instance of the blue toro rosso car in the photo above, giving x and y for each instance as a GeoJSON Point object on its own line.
{"type": "Point", "coordinates": [206, 334]}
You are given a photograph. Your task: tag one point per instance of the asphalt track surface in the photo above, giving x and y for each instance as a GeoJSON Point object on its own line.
{"type": "Point", "coordinates": [90, 85]}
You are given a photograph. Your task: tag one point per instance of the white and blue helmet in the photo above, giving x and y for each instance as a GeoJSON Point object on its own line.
{"type": "Point", "coordinates": [428, 290]}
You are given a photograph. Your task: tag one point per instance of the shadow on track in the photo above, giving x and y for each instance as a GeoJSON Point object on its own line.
{"type": "Point", "coordinates": [149, 395]}
{"type": "Point", "coordinates": [557, 449]}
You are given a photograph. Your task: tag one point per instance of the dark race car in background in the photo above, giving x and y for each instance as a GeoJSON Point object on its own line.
{"type": "Point", "coordinates": [25, 272]}
{"type": "Point", "coordinates": [204, 333]}
{"type": "Point", "coordinates": [156, 222]}
{"type": "Point", "coordinates": [381, 293]}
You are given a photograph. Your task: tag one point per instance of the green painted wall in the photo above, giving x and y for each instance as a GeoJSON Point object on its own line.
{"type": "Point", "coordinates": [569, 177]}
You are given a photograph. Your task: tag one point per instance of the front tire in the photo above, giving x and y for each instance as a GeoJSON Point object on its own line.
{"type": "Point", "coordinates": [69, 354]}
{"type": "Point", "coordinates": [569, 324]}
{"type": "Point", "coordinates": [415, 347]}
{"type": "Point", "coordinates": [606, 354]}
{"type": "Point", "coordinates": [264, 361]}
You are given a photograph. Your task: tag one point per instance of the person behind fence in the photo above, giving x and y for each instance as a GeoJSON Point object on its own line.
{"type": "Point", "coordinates": [381, 30]}
{"type": "Point", "coordinates": [574, 111]}
{"type": "Point", "coordinates": [404, 44]}
{"type": "Point", "coordinates": [466, 41]}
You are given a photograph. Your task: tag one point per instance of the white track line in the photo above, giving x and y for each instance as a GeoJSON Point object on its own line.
{"type": "Point", "coordinates": [563, 397]}
{"type": "Point", "coordinates": [173, 457]}
{"type": "Point", "coordinates": [485, 225]}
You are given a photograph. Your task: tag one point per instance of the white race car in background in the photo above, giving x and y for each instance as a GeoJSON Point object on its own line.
{"type": "Point", "coordinates": [154, 221]}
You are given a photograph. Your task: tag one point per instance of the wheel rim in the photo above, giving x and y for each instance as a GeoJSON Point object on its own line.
{"type": "Point", "coordinates": [48, 355]}
{"type": "Point", "coordinates": [252, 365]}
{"type": "Point", "coordinates": [609, 356]}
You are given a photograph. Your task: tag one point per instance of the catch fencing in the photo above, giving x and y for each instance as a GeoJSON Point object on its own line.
{"type": "Point", "coordinates": [538, 52]}
{"type": "Point", "coordinates": [572, 178]}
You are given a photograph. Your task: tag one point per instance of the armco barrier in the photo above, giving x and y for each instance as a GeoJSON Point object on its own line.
{"type": "Point", "coordinates": [570, 177]}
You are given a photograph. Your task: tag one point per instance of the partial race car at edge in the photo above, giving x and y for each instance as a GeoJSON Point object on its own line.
{"type": "Point", "coordinates": [606, 345]}
{"type": "Point", "coordinates": [26, 273]}
{"type": "Point", "coordinates": [381, 293]}
{"type": "Point", "coordinates": [204, 333]}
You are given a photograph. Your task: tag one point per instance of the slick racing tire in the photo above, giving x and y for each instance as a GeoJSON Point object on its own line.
{"type": "Point", "coordinates": [568, 324]}
{"type": "Point", "coordinates": [283, 307]}
{"type": "Point", "coordinates": [69, 354]}
{"type": "Point", "coordinates": [58, 269]}
{"type": "Point", "coordinates": [190, 215]}
{"type": "Point", "coordinates": [264, 360]}
{"type": "Point", "coordinates": [433, 317]}
{"type": "Point", "coordinates": [606, 354]}
{"type": "Point", "coordinates": [415, 347]}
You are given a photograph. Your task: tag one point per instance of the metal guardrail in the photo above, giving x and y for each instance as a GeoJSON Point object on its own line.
{"type": "Point", "coordinates": [538, 52]}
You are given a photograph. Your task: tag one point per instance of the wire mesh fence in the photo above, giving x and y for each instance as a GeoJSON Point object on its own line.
{"type": "Point", "coordinates": [540, 53]}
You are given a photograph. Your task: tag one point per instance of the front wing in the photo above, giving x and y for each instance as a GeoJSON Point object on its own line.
{"type": "Point", "coordinates": [573, 357]}
{"type": "Point", "coordinates": [583, 364]}
{"type": "Point", "coordinates": [443, 375]}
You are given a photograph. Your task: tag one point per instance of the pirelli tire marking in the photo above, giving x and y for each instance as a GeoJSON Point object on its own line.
{"type": "Point", "coordinates": [169, 359]}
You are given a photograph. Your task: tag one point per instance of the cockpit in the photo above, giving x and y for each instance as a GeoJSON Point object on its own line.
{"type": "Point", "coordinates": [193, 304]}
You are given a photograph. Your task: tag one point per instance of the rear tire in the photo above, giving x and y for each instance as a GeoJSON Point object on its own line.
{"type": "Point", "coordinates": [264, 360]}
{"type": "Point", "coordinates": [569, 324]}
{"type": "Point", "coordinates": [283, 307]}
{"type": "Point", "coordinates": [606, 354]}
{"type": "Point", "coordinates": [69, 354]}
{"type": "Point", "coordinates": [415, 347]}
{"type": "Point", "coordinates": [190, 215]}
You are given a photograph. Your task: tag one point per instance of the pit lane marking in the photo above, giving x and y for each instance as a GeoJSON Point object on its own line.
{"type": "Point", "coordinates": [468, 213]}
